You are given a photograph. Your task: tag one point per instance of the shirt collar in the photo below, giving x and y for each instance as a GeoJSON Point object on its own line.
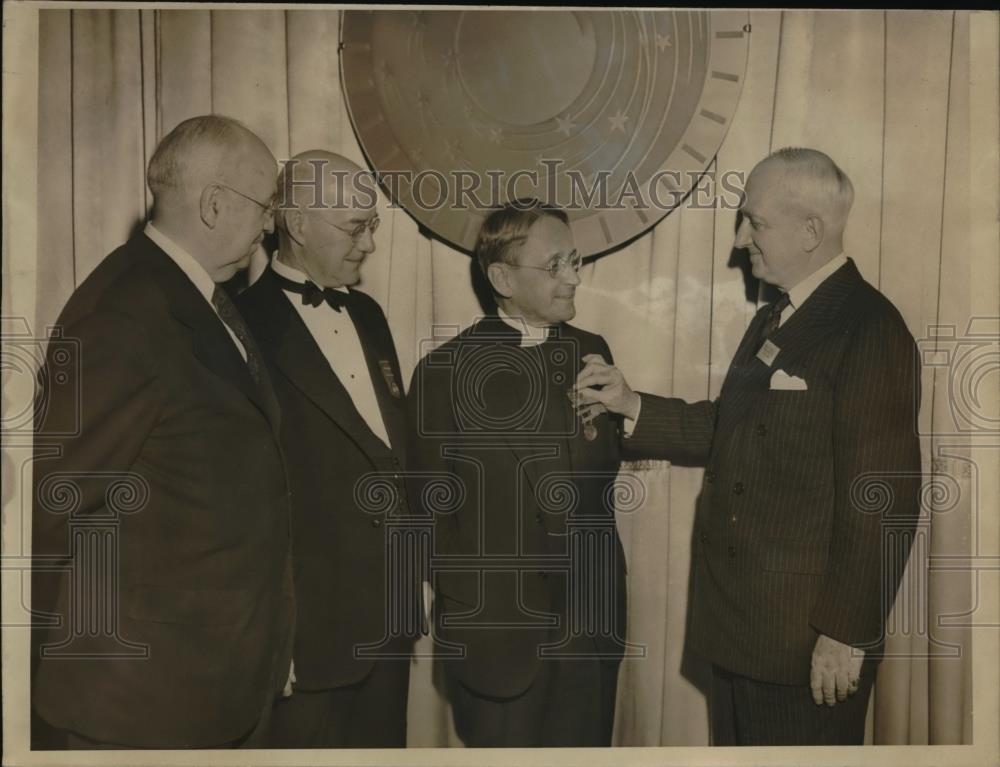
{"type": "Point", "coordinates": [530, 336]}
{"type": "Point", "coordinates": [185, 261]}
{"type": "Point", "coordinates": [805, 288]}
{"type": "Point", "coordinates": [293, 274]}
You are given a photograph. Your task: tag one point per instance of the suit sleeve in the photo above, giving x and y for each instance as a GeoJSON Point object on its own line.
{"type": "Point", "coordinates": [877, 480]}
{"type": "Point", "coordinates": [672, 429]}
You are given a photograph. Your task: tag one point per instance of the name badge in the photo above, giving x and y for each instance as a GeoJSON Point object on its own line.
{"type": "Point", "coordinates": [390, 379]}
{"type": "Point", "coordinates": [768, 353]}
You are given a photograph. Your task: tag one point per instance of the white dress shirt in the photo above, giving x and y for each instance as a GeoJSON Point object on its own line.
{"type": "Point", "coordinates": [338, 339]}
{"type": "Point", "coordinates": [805, 288]}
{"type": "Point", "coordinates": [193, 271]}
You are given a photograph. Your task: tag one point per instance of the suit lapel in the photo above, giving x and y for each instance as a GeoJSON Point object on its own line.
{"type": "Point", "coordinates": [749, 377]}
{"type": "Point", "coordinates": [210, 341]}
{"type": "Point", "coordinates": [383, 368]}
{"type": "Point", "coordinates": [293, 351]}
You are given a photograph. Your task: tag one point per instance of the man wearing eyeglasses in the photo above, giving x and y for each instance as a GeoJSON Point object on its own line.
{"type": "Point", "coordinates": [528, 567]}
{"type": "Point", "coordinates": [159, 422]}
{"type": "Point", "coordinates": [337, 377]}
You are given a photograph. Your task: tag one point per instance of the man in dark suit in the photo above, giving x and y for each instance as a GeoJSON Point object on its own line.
{"type": "Point", "coordinates": [528, 568]}
{"type": "Point", "coordinates": [161, 524]}
{"type": "Point", "coordinates": [812, 472]}
{"type": "Point", "coordinates": [335, 371]}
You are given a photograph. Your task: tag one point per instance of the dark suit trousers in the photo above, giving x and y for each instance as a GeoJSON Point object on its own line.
{"type": "Point", "coordinates": [746, 712]}
{"type": "Point", "coordinates": [571, 702]}
{"type": "Point", "coordinates": [368, 714]}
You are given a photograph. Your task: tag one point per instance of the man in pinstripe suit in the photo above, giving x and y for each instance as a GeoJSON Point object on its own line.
{"type": "Point", "coordinates": [796, 561]}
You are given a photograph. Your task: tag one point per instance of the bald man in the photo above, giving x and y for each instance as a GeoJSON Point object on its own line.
{"type": "Point", "coordinates": [334, 367]}
{"type": "Point", "coordinates": [812, 472]}
{"type": "Point", "coordinates": [161, 520]}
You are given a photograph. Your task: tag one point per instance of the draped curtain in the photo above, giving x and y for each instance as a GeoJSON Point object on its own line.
{"type": "Point", "coordinates": [886, 94]}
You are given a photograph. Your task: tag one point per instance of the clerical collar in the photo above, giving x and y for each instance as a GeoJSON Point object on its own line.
{"type": "Point", "coordinates": [293, 274]}
{"type": "Point", "coordinates": [530, 336]}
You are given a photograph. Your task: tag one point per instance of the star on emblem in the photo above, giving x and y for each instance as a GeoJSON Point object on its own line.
{"type": "Point", "coordinates": [618, 121]}
{"type": "Point", "coordinates": [663, 41]}
{"type": "Point", "coordinates": [495, 135]}
{"type": "Point", "coordinates": [565, 125]}
{"type": "Point", "coordinates": [386, 70]}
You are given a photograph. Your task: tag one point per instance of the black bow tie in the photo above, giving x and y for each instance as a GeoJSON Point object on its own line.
{"type": "Point", "coordinates": [313, 294]}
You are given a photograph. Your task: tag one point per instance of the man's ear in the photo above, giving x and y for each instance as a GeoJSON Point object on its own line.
{"type": "Point", "coordinates": [813, 231]}
{"type": "Point", "coordinates": [209, 205]}
{"type": "Point", "coordinates": [499, 278]}
{"type": "Point", "coordinates": [293, 222]}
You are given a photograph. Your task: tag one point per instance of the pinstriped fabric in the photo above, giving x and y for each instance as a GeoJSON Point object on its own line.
{"type": "Point", "coordinates": [807, 493]}
{"type": "Point", "coordinates": [746, 712]}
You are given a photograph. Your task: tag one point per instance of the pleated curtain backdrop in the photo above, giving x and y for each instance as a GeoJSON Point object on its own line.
{"type": "Point", "coordinates": [886, 94]}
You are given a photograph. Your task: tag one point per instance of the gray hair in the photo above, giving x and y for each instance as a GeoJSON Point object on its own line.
{"type": "Point", "coordinates": [183, 151]}
{"type": "Point", "coordinates": [816, 183]}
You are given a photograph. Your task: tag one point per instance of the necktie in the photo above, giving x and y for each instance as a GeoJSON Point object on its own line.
{"type": "Point", "coordinates": [773, 319]}
{"type": "Point", "coordinates": [231, 316]}
{"type": "Point", "coordinates": [314, 295]}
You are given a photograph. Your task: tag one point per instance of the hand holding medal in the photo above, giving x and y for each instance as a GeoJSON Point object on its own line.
{"type": "Point", "coordinates": [603, 385]}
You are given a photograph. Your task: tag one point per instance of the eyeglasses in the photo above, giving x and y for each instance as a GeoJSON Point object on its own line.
{"type": "Point", "coordinates": [572, 260]}
{"type": "Point", "coordinates": [268, 207]}
{"type": "Point", "coordinates": [356, 231]}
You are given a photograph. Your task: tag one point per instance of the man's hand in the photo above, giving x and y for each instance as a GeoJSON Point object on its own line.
{"type": "Point", "coordinates": [836, 669]}
{"type": "Point", "coordinates": [614, 393]}
{"type": "Point", "coordinates": [287, 692]}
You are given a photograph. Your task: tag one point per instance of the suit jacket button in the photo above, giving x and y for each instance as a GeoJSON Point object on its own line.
{"type": "Point", "coordinates": [376, 523]}
{"type": "Point", "coordinates": [761, 430]}
{"type": "Point", "coordinates": [732, 552]}
{"type": "Point", "coordinates": [704, 537]}
{"type": "Point", "coordinates": [738, 488]}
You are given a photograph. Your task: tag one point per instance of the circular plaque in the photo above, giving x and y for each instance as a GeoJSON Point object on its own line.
{"type": "Point", "coordinates": [611, 115]}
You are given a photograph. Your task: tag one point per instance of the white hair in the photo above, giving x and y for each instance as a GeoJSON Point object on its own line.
{"type": "Point", "coordinates": [816, 184]}
{"type": "Point", "coordinates": [196, 148]}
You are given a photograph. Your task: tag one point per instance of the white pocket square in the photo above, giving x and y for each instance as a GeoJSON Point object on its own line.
{"type": "Point", "coordinates": [781, 381]}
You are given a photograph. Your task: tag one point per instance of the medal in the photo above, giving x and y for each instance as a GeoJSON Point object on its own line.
{"type": "Point", "coordinates": [586, 412]}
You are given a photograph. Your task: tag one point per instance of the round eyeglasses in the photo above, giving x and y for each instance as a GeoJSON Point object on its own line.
{"type": "Point", "coordinates": [572, 260]}
{"type": "Point", "coordinates": [267, 207]}
{"type": "Point", "coordinates": [355, 231]}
